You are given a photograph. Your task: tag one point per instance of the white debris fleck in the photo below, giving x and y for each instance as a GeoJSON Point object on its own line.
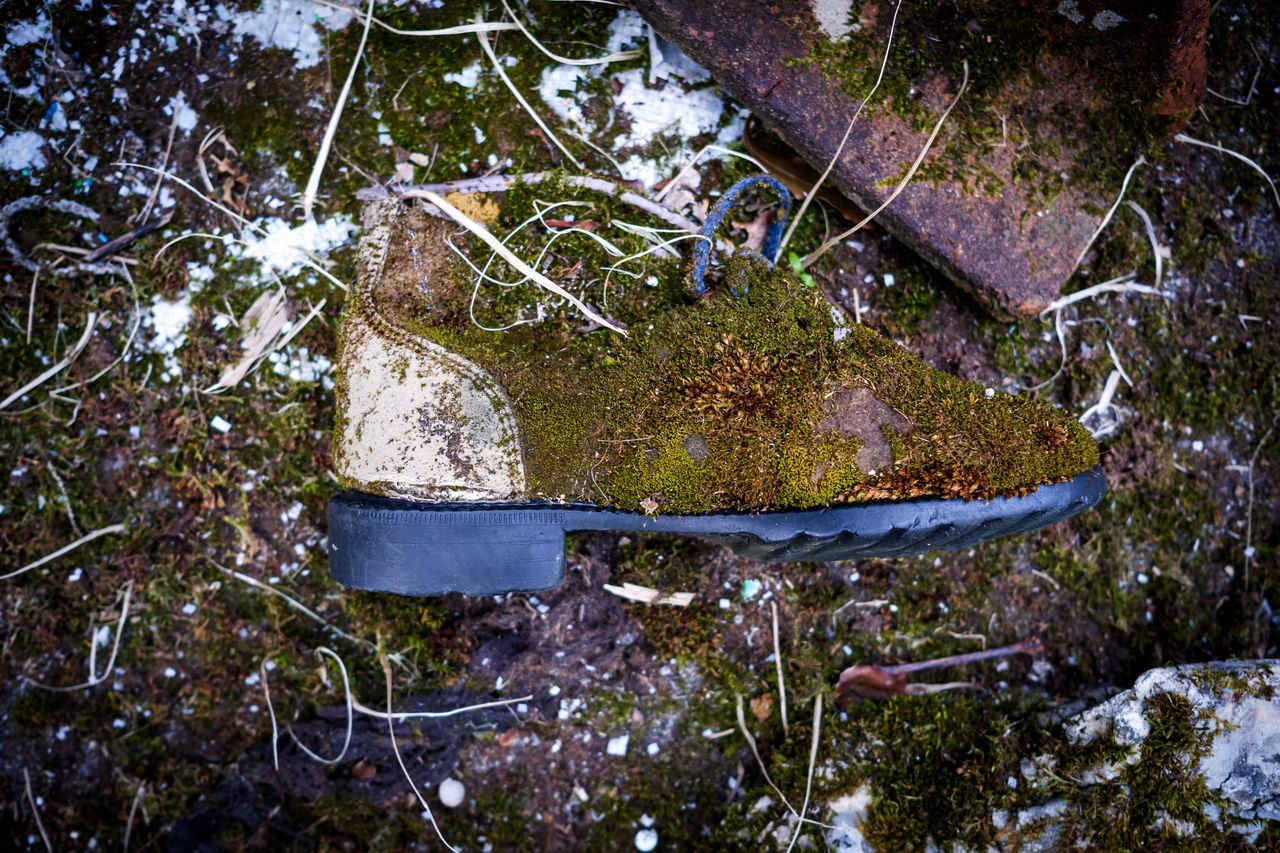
{"type": "Point", "coordinates": [467, 77]}
{"type": "Point", "coordinates": [284, 249]}
{"type": "Point", "coordinates": [451, 793]}
{"type": "Point", "coordinates": [288, 25]}
{"type": "Point", "coordinates": [75, 575]}
{"type": "Point", "coordinates": [618, 745]}
{"type": "Point", "coordinates": [652, 749]}
{"type": "Point", "coordinates": [670, 107]}
{"type": "Point", "coordinates": [170, 672]}
{"type": "Point", "coordinates": [889, 279]}
{"type": "Point", "coordinates": [22, 150]}
{"type": "Point", "coordinates": [646, 840]}
{"type": "Point", "coordinates": [189, 609]}
{"type": "Point", "coordinates": [184, 117]}
{"type": "Point", "coordinates": [23, 33]}
{"type": "Point", "coordinates": [169, 321]}
{"type": "Point", "coordinates": [1106, 19]}
{"type": "Point", "coordinates": [1070, 10]}
{"type": "Point", "coordinates": [833, 17]}
{"type": "Point", "coordinates": [220, 423]}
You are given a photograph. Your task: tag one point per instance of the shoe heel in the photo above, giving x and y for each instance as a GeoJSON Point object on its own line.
{"type": "Point", "coordinates": [387, 545]}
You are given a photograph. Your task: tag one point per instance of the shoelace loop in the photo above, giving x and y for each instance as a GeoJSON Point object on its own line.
{"type": "Point", "coordinates": [773, 236]}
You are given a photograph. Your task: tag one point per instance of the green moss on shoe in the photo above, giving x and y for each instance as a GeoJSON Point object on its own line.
{"type": "Point", "coordinates": [745, 401]}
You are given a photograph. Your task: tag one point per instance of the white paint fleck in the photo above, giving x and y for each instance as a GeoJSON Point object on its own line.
{"type": "Point", "coordinates": [1070, 10]}
{"type": "Point", "coordinates": [618, 745]}
{"type": "Point", "coordinates": [220, 423]}
{"type": "Point", "coordinates": [833, 17]}
{"type": "Point", "coordinates": [1106, 19]}
{"type": "Point", "coordinates": [467, 77]}
{"type": "Point", "coordinates": [284, 249]}
{"type": "Point", "coordinates": [451, 793]}
{"type": "Point", "coordinates": [288, 25]}
{"type": "Point", "coordinates": [185, 117]}
{"type": "Point", "coordinates": [22, 150]}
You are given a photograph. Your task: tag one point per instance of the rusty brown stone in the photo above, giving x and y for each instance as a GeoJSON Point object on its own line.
{"type": "Point", "coordinates": [1137, 67]}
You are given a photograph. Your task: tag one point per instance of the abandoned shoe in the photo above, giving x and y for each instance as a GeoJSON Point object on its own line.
{"type": "Point", "coordinates": [481, 417]}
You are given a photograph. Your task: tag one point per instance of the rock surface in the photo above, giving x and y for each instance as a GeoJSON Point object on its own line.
{"type": "Point", "coordinates": [1053, 97]}
{"type": "Point", "coordinates": [1236, 708]}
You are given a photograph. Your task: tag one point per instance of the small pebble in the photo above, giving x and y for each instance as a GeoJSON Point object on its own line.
{"type": "Point", "coordinates": [451, 793]}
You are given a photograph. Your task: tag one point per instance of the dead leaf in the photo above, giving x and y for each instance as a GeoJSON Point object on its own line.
{"type": "Point", "coordinates": [762, 706]}
{"type": "Point", "coordinates": [756, 229]}
{"type": "Point", "coordinates": [678, 194]}
{"type": "Point", "coordinates": [508, 737]}
{"type": "Point", "coordinates": [649, 505]}
{"type": "Point", "coordinates": [364, 770]}
{"type": "Point", "coordinates": [581, 225]}
{"type": "Point", "coordinates": [261, 325]}
{"type": "Point", "coordinates": [860, 684]}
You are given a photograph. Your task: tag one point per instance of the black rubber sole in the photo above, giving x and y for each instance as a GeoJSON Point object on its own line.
{"type": "Point", "coordinates": [409, 548]}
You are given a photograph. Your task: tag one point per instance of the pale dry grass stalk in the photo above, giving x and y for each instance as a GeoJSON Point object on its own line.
{"type": "Point", "coordinates": [94, 678]}
{"type": "Point", "coordinates": [647, 595]}
{"type": "Point", "coordinates": [35, 810]}
{"type": "Point", "coordinates": [751, 742]}
{"type": "Point", "coordinates": [460, 30]}
{"type": "Point", "coordinates": [1122, 284]}
{"type": "Point", "coordinates": [141, 216]}
{"type": "Point", "coordinates": [813, 760]}
{"type": "Point", "coordinates": [322, 156]}
{"type": "Point", "coordinates": [133, 811]}
{"type": "Point", "coordinates": [497, 67]}
{"type": "Point", "coordinates": [310, 261]}
{"type": "Point", "coordinates": [620, 56]}
{"type": "Point", "coordinates": [91, 322]}
{"type": "Point", "coordinates": [808, 260]}
{"type": "Point", "coordinates": [507, 255]}
{"type": "Point", "coordinates": [31, 302]}
{"type": "Point", "coordinates": [271, 712]}
{"type": "Point", "coordinates": [66, 549]}
{"type": "Point", "coordinates": [1103, 406]}
{"type": "Point", "coordinates": [1182, 137]}
{"type": "Point", "coordinates": [706, 149]}
{"type": "Point", "coordinates": [1115, 359]}
{"type": "Point", "coordinates": [395, 748]}
{"type": "Point", "coordinates": [777, 660]}
{"type": "Point", "coordinates": [813, 191]}
{"type": "Point", "coordinates": [1157, 251]}
{"type": "Point", "coordinates": [1124, 187]}
{"type": "Point", "coordinates": [346, 689]}
{"type": "Point", "coordinates": [292, 602]}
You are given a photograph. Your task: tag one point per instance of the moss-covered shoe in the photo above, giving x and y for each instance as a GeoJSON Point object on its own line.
{"type": "Point", "coordinates": [480, 418]}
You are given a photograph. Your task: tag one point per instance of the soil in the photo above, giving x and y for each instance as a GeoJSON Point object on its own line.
{"type": "Point", "coordinates": [171, 745]}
